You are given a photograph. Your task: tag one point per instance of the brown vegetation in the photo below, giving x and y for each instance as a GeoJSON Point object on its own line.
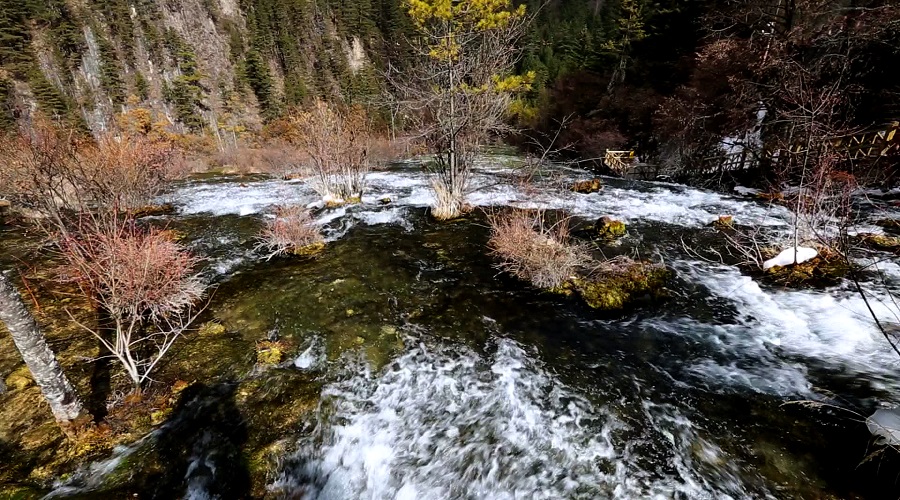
{"type": "Point", "coordinates": [336, 143]}
{"type": "Point", "coordinates": [291, 231]}
{"type": "Point", "coordinates": [145, 282]}
{"type": "Point", "coordinates": [59, 174]}
{"type": "Point", "coordinates": [533, 250]}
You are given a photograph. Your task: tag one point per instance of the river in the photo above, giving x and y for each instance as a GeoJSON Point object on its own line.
{"type": "Point", "coordinates": [433, 376]}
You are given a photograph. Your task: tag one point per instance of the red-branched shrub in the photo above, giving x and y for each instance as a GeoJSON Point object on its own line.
{"type": "Point", "coordinates": [291, 231]}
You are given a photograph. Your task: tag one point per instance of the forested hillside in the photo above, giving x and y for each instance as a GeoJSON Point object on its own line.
{"type": "Point", "coordinates": [669, 78]}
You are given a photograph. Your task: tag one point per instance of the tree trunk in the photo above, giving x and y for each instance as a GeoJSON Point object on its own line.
{"type": "Point", "coordinates": [59, 393]}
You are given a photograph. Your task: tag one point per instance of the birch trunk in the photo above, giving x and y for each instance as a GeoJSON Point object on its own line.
{"type": "Point", "coordinates": [59, 393]}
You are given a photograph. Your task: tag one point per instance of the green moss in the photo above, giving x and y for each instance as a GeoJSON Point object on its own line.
{"type": "Point", "coordinates": [19, 379]}
{"type": "Point", "coordinates": [211, 328]}
{"type": "Point", "coordinates": [308, 250]}
{"type": "Point", "coordinates": [269, 352]}
{"type": "Point", "coordinates": [818, 272]}
{"type": "Point", "coordinates": [609, 228]}
{"type": "Point", "coordinates": [880, 241]}
{"type": "Point", "coordinates": [615, 290]}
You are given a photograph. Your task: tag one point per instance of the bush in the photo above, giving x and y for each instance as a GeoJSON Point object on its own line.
{"type": "Point", "coordinates": [336, 142]}
{"type": "Point", "coordinates": [532, 250]}
{"type": "Point", "coordinates": [61, 174]}
{"type": "Point", "coordinates": [145, 282]}
{"type": "Point", "coordinates": [292, 231]}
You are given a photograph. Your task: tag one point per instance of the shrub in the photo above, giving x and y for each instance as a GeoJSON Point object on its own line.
{"type": "Point", "coordinates": [292, 231]}
{"type": "Point", "coordinates": [145, 282]}
{"type": "Point", "coordinates": [336, 141]}
{"type": "Point", "coordinates": [531, 249]}
{"type": "Point", "coordinates": [61, 174]}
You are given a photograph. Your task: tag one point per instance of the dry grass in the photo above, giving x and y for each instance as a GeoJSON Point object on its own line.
{"type": "Point", "coordinates": [532, 249]}
{"type": "Point", "coordinates": [293, 230]}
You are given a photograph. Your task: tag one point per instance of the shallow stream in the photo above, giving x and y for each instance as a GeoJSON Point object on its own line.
{"type": "Point", "coordinates": [425, 374]}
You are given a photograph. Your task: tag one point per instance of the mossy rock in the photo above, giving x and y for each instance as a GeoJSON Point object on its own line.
{"type": "Point", "coordinates": [588, 186]}
{"type": "Point", "coordinates": [19, 379]}
{"type": "Point", "coordinates": [616, 290]}
{"type": "Point", "coordinates": [880, 241]}
{"type": "Point", "coordinates": [723, 222]}
{"type": "Point", "coordinates": [153, 210]}
{"type": "Point", "coordinates": [385, 201]}
{"type": "Point", "coordinates": [817, 272]}
{"type": "Point", "coordinates": [309, 250]}
{"type": "Point", "coordinates": [609, 228]}
{"type": "Point", "coordinates": [269, 352]}
{"type": "Point", "coordinates": [211, 328]}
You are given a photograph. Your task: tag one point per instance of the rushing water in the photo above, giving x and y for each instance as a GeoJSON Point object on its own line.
{"type": "Point", "coordinates": [438, 378]}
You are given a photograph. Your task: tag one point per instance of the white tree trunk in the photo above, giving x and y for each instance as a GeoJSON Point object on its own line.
{"type": "Point", "coordinates": [45, 369]}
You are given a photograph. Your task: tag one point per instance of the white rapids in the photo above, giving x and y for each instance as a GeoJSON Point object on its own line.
{"type": "Point", "coordinates": [449, 423]}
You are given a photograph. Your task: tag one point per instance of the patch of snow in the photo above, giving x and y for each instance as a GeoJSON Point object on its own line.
{"type": "Point", "coordinates": [790, 256]}
{"type": "Point", "coordinates": [885, 425]}
{"type": "Point", "coordinates": [746, 191]}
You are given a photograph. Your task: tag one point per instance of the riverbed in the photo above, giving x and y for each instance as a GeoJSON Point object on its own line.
{"type": "Point", "coordinates": [424, 373]}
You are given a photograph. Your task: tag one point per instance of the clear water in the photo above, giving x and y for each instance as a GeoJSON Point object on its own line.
{"type": "Point", "coordinates": [438, 378]}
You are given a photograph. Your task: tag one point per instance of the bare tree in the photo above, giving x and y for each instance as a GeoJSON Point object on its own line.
{"type": "Point", "coordinates": [459, 92]}
{"type": "Point", "coordinates": [59, 393]}
{"type": "Point", "coordinates": [336, 142]}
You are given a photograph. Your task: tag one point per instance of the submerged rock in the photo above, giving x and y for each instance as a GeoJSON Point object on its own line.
{"type": "Point", "coordinates": [588, 186]}
{"type": "Point", "coordinates": [269, 352]}
{"type": "Point", "coordinates": [211, 328]}
{"type": "Point", "coordinates": [609, 228]}
{"type": "Point", "coordinates": [880, 241]}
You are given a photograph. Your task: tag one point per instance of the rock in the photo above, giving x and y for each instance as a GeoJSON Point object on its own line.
{"type": "Point", "coordinates": [616, 289]}
{"type": "Point", "coordinates": [889, 224]}
{"type": "Point", "coordinates": [880, 241]}
{"type": "Point", "coordinates": [821, 271]}
{"type": "Point", "coordinates": [791, 256]}
{"type": "Point", "coordinates": [153, 210]}
{"type": "Point", "coordinates": [308, 250]}
{"type": "Point", "coordinates": [609, 228]}
{"type": "Point", "coordinates": [2, 386]}
{"type": "Point", "coordinates": [885, 425]}
{"type": "Point", "coordinates": [588, 186]}
{"type": "Point", "coordinates": [723, 222]}
{"type": "Point", "coordinates": [385, 201]}
{"type": "Point", "coordinates": [19, 379]}
{"type": "Point", "coordinates": [211, 328]}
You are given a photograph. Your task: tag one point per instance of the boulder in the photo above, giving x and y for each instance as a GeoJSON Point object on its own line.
{"type": "Point", "coordinates": [616, 289]}
{"type": "Point", "coordinates": [587, 186]}
{"type": "Point", "coordinates": [880, 241]}
{"type": "Point", "coordinates": [723, 222]}
{"type": "Point", "coordinates": [609, 228]}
